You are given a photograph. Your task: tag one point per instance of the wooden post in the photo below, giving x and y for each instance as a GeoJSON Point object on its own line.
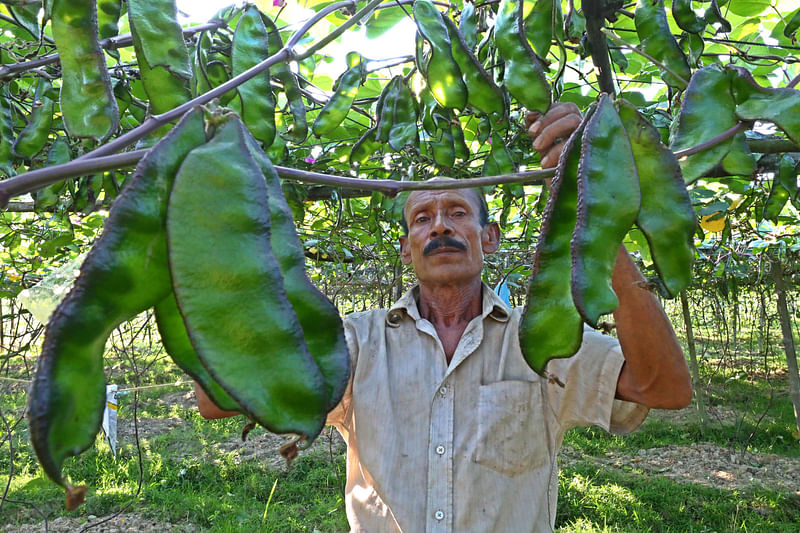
{"type": "Point", "coordinates": [788, 338]}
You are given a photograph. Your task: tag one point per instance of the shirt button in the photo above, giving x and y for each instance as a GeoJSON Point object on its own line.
{"type": "Point", "coordinates": [438, 515]}
{"type": "Point", "coordinates": [443, 391]}
{"type": "Point", "coordinates": [440, 449]}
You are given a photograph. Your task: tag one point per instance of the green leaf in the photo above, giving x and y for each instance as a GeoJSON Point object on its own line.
{"type": "Point", "coordinates": [383, 20]}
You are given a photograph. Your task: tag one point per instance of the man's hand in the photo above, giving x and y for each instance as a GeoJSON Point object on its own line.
{"type": "Point", "coordinates": [549, 131]}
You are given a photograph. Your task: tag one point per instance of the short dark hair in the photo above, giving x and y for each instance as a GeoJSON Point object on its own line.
{"type": "Point", "coordinates": [483, 209]}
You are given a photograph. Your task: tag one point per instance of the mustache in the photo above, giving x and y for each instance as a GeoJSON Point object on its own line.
{"type": "Point", "coordinates": [442, 242]}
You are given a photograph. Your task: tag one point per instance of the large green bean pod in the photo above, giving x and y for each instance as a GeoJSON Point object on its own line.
{"type": "Point", "coordinates": [714, 15]}
{"type": "Point", "coordinates": [459, 143]}
{"type": "Point", "coordinates": [482, 92]}
{"type": "Point", "coordinates": [58, 154]}
{"type": "Point", "coordinates": [404, 119]}
{"type": "Point", "coordinates": [792, 25]}
{"type": "Point", "coordinates": [777, 199]}
{"type": "Point", "coordinates": [540, 18]}
{"type": "Point", "coordinates": [124, 274]}
{"type": "Point", "coordinates": [443, 74]}
{"type": "Point", "coordinates": [666, 216]}
{"type": "Point", "coordinates": [443, 147]}
{"type": "Point", "coordinates": [364, 147]}
{"type": "Point", "coordinates": [200, 83]}
{"type": "Point", "coordinates": [781, 106]}
{"type": "Point", "coordinates": [250, 47]}
{"type": "Point", "coordinates": [608, 203]}
{"type": "Point", "coordinates": [161, 53]}
{"type": "Point", "coordinates": [685, 17]}
{"type": "Point", "coordinates": [657, 40]}
{"type": "Point", "coordinates": [177, 344]}
{"type": "Point", "coordinates": [230, 291]}
{"type": "Point", "coordinates": [6, 133]}
{"type": "Point", "coordinates": [788, 169]}
{"type": "Point", "coordinates": [319, 318]}
{"type": "Point", "coordinates": [468, 25]}
{"type": "Point", "coordinates": [108, 13]}
{"type": "Point", "coordinates": [33, 136]}
{"type": "Point", "coordinates": [344, 92]}
{"type": "Point", "coordinates": [87, 101]}
{"type": "Point", "coordinates": [384, 110]}
{"type": "Point", "coordinates": [524, 74]}
{"type": "Point", "coordinates": [550, 326]}
{"type": "Point", "coordinates": [708, 110]}
{"type": "Point", "coordinates": [498, 160]}
{"type": "Point", "coordinates": [299, 129]}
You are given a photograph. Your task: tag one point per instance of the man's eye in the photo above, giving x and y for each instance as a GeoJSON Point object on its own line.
{"type": "Point", "coordinates": [422, 219]}
{"type": "Point", "coordinates": [459, 213]}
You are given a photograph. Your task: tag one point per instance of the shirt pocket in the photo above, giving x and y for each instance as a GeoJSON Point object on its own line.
{"type": "Point", "coordinates": [511, 436]}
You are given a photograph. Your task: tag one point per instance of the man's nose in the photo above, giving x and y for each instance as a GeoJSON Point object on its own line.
{"type": "Point", "coordinates": [441, 225]}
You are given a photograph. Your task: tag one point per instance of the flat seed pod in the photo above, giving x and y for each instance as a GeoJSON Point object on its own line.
{"type": "Point", "coordinates": [124, 274]}
{"type": "Point", "coordinates": [33, 136]}
{"type": "Point", "coordinates": [178, 346]}
{"type": "Point", "coordinates": [230, 291]}
{"type": "Point", "coordinates": [442, 72]}
{"type": "Point", "coordinates": [685, 17]}
{"type": "Point", "coordinates": [608, 203]}
{"type": "Point", "coordinates": [482, 92]}
{"type": "Point", "coordinates": [524, 74]}
{"type": "Point", "coordinates": [161, 53]}
{"type": "Point", "coordinates": [299, 129]}
{"type": "Point", "coordinates": [58, 154]}
{"type": "Point", "coordinates": [248, 49]}
{"type": "Point", "coordinates": [364, 147]}
{"type": "Point", "coordinates": [657, 40]}
{"type": "Point", "coordinates": [666, 216]}
{"type": "Point", "coordinates": [344, 93]}
{"type": "Point", "coordinates": [384, 112]}
{"type": "Point", "coordinates": [6, 133]}
{"type": "Point", "coordinates": [551, 327]}
{"type": "Point", "coordinates": [87, 101]}
{"type": "Point", "coordinates": [319, 318]}
{"type": "Point", "coordinates": [404, 119]}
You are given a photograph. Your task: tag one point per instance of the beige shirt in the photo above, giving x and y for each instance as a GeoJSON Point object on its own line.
{"type": "Point", "coordinates": [470, 446]}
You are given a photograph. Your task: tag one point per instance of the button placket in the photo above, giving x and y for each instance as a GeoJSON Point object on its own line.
{"type": "Point", "coordinates": [440, 462]}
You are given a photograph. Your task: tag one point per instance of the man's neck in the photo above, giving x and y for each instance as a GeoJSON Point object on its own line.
{"type": "Point", "coordinates": [450, 308]}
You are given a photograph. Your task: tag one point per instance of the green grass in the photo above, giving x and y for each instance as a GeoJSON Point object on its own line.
{"type": "Point", "coordinates": [592, 500]}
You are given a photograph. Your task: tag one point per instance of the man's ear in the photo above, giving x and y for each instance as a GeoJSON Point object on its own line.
{"type": "Point", "coordinates": [405, 251]}
{"type": "Point", "coordinates": [490, 238]}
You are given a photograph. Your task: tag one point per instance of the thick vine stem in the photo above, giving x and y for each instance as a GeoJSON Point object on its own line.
{"type": "Point", "coordinates": [595, 20]}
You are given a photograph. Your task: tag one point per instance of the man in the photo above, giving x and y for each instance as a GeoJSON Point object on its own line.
{"type": "Point", "coordinates": [446, 426]}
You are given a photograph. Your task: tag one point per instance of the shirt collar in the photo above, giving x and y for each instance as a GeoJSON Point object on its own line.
{"type": "Point", "coordinates": [493, 307]}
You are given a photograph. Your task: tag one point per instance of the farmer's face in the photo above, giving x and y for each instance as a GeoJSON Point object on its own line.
{"type": "Point", "coordinates": [445, 240]}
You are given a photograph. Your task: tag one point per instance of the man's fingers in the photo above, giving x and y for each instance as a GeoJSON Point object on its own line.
{"type": "Point", "coordinates": [531, 117]}
{"type": "Point", "coordinates": [551, 159]}
{"type": "Point", "coordinates": [558, 130]}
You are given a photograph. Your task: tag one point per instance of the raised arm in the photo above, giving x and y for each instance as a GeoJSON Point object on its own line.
{"type": "Point", "coordinates": [655, 372]}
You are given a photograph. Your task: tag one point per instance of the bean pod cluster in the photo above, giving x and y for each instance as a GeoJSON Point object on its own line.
{"type": "Point", "coordinates": [614, 172]}
{"type": "Point", "coordinates": [227, 281]}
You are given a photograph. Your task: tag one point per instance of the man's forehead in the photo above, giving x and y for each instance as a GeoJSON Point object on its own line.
{"type": "Point", "coordinates": [418, 199]}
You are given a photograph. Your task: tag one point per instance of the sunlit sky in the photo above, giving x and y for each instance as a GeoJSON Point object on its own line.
{"type": "Point", "coordinates": [395, 43]}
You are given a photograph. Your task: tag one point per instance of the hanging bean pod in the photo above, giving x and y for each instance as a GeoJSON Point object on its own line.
{"type": "Point", "coordinates": [87, 102]}
{"type": "Point", "coordinates": [443, 74]}
{"type": "Point", "coordinates": [666, 216]}
{"type": "Point", "coordinates": [250, 47]}
{"type": "Point", "coordinates": [608, 204]}
{"type": "Point", "coordinates": [550, 326]}
{"type": "Point", "coordinates": [33, 136]}
{"type": "Point", "coordinates": [124, 274]}
{"type": "Point", "coordinates": [229, 288]}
